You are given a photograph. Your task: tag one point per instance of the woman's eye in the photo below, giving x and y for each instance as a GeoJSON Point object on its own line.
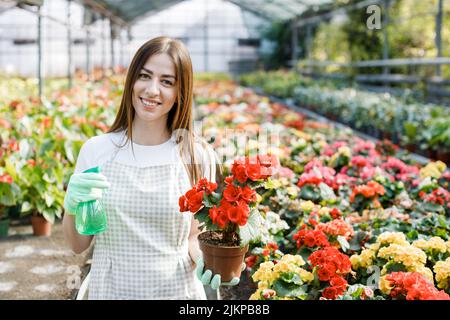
{"type": "Point", "coordinates": [167, 82]}
{"type": "Point", "coordinates": [144, 76]}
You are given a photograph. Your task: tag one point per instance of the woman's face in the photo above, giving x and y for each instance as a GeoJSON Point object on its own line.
{"type": "Point", "coordinates": [155, 90]}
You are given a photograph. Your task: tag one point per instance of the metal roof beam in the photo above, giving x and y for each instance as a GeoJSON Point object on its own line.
{"type": "Point", "coordinates": [252, 10]}
{"type": "Point", "coordinates": [102, 8]}
{"type": "Point", "coordinates": [319, 18]}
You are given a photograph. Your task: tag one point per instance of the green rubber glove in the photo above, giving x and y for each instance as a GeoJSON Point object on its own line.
{"type": "Point", "coordinates": [207, 277]}
{"type": "Point", "coordinates": [84, 187]}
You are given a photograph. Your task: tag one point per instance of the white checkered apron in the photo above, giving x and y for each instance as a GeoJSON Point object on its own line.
{"type": "Point", "coordinates": [143, 254]}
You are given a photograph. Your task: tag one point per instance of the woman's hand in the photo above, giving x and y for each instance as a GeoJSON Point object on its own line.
{"type": "Point", "coordinates": [84, 187]}
{"type": "Point", "coordinates": [207, 277]}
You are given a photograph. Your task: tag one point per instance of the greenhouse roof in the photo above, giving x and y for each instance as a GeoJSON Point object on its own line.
{"type": "Point", "coordinates": [280, 9]}
{"type": "Point", "coordinates": [128, 11]}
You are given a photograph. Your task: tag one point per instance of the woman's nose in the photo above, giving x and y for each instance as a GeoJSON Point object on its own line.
{"type": "Point", "coordinates": [152, 89]}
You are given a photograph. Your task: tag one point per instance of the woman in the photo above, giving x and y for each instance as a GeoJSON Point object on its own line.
{"type": "Point", "coordinates": [147, 159]}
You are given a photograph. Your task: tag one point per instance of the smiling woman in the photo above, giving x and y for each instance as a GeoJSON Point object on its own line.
{"type": "Point", "coordinates": [148, 159]}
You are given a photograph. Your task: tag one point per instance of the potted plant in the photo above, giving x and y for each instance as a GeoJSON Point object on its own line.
{"type": "Point", "coordinates": [9, 192]}
{"type": "Point", "coordinates": [43, 191]}
{"type": "Point", "coordinates": [228, 213]}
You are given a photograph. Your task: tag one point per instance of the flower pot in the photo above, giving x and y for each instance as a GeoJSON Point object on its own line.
{"type": "Point", "coordinates": [4, 227]}
{"type": "Point", "coordinates": [432, 154]}
{"type": "Point", "coordinates": [411, 147]}
{"type": "Point", "coordinates": [224, 260]}
{"type": "Point", "coordinates": [41, 227]}
{"type": "Point", "coordinates": [444, 156]}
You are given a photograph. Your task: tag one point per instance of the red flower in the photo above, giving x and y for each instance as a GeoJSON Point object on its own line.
{"type": "Point", "coordinates": [196, 201]}
{"type": "Point", "coordinates": [214, 214]}
{"type": "Point", "coordinates": [5, 178]}
{"type": "Point", "coordinates": [250, 261]}
{"type": "Point", "coordinates": [232, 193]}
{"type": "Point", "coordinates": [207, 186]}
{"type": "Point", "coordinates": [272, 246]}
{"type": "Point", "coordinates": [335, 213]}
{"type": "Point", "coordinates": [330, 293]}
{"type": "Point", "coordinates": [309, 240]}
{"type": "Point", "coordinates": [238, 171]}
{"type": "Point", "coordinates": [413, 286]}
{"type": "Point", "coordinates": [229, 180]}
{"type": "Point", "coordinates": [323, 274]}
{"type": "Point", "coordinates": [248, 194]}
{"type": "Point", "coordinates": [234, 214]}
{"type": "Point", "coordinates": [253, 171]}
{"type": "Point", "coordinates": [183, 203]}
{"type": "Point", "coordinates": [222, 219]}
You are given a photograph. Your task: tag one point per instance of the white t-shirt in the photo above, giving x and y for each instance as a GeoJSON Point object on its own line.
{"type": "Point", "coordinates": [99, 149]}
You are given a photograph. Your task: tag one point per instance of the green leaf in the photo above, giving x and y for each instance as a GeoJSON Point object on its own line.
{"type": "Point", "coordinates": [26, 206]}
{"type": "Point", "coordinates": [284, 289]}
{"type": "Point", "coordinates": [251, 230]}
{"type": "Point", "coordinates": [326, 192]}
{"type": "Point", "coordinates": [49, 179]}
{"type": "Point", "coordinates": [344, 243]}
{"type": "Point", "coordinates": [49, 215]}
{"type": "Point", "coordinates": [47, 144]}
{"type": "Point", "coordinates": [308, 193]}
{"type": "Point", "coordinates": [291, 277]}
{"type": "Point", "coordinates": [49, 199]}
{"type": "Point", "coordinates": [69, 151]}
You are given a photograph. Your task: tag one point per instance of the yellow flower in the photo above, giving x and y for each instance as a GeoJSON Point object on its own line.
{"type": "Point", "coordinates": [306, 276]}
{"type": "Point", "coordinates": [426, 272]}
{"type": "Point", "coordinates": [282, 267]}
{"type": "Point", "coordinates": [363, 260]}
{"type": "Point", "coordinates": [294, 259]}
{"type": "Point", "coordinates": [307, 206]}
{"type": "Point", "coordinates": [433, 170]}
{"type": "Point", "coordinates": [409, 256]}
{"type": "Point", "coordinates": [276, 183]}
{"type": "Point", "coordinates": [334, 158]}
{"type": "Point", "coordinates": [264, 272]}
{"type": "Point", "coordinates": [324, 211]}
{"type": "Point", "coordinates": [392, 237]}
{"type": "Point", "coordinates": [345, 151]}
{"type": "Point", "coordinates": [367, 257]}
{"type": "Point", "coordinates": [442, 271]}
{"type": "Point", "coordinates": [355, 261]}
{"type": "Point", "coordinates": [384, 285]}
{"type": "Point", "coordinates": [256, 295]}
{"type": "Point", "coordinates": [433, 244]}
{"type": "Point", "coordinates": [448, 246]}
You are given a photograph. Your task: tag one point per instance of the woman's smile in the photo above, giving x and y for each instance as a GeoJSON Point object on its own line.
{"type": "Point", "coordinates": [149, 104]}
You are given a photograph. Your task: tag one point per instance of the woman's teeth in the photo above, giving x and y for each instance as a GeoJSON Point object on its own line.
{"type": "Point", "coordinates": [149, 104]}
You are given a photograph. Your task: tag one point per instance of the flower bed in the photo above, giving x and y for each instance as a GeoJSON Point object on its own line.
{"type": "Point", "coordinates": [383, 218]}
{"type": "Point", "coordinates": [418, 127]}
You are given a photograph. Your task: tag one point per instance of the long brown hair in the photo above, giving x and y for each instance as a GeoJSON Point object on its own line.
{"type": "Point", "coordinates": [180, 118]}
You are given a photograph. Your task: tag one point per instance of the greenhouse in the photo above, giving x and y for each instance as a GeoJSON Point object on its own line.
{"type": "Point", "coordinates": [224, 150]}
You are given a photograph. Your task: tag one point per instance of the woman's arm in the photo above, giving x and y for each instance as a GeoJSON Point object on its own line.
{"type": "Point", "coordinates": [194, 248]}
{"type": "Point", "coordinates": [77, 242]}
